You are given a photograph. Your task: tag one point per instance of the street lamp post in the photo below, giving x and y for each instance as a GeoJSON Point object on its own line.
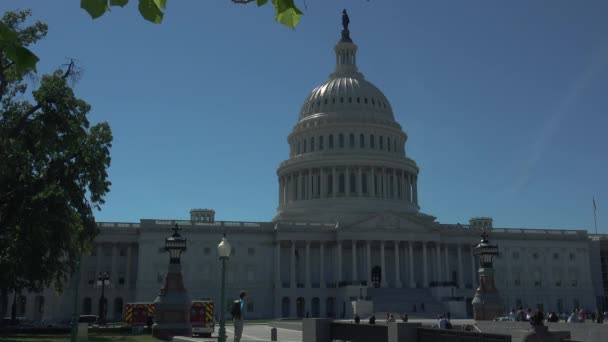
{"type": "Point", "coordinates": [103, 280]}
{"type": "Point", "coordinates": [223, 249]}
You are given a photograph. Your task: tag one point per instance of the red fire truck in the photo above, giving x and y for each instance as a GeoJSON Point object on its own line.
{"type": "Point", "coordinates": [201, 317]}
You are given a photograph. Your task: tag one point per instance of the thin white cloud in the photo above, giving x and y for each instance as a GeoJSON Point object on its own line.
{"type": "Point", "coordinates": [597, 63]}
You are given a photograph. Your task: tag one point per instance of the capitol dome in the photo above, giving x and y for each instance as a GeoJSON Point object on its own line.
{"type": "Point", "coordinates": [347, 156]}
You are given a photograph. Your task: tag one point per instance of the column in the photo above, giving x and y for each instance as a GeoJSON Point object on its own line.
{"type": "Point", "coordinates": [383, 265]}
{"type": "Point", "coordinates": [292, 280]}
{"type": "Point", "coordinates": [460, 277]}
{"type": "Point", "coordinates": [307, 279]}
{"type": "Point", "coordinates": [425, 271]}
{"type": "Point", "coordinates": [98, 262]}
{"type": "Point", "coordinates": [384, 185]}
{"type": "Point", "coordinates": [290, 188]}
{"type": "Point", "coordinates": [411, 259]}
{"type": "Point", "coordinates": [438, 261]}
{"type": "Point", "coordinates": [339, 266]}
{"type": "Point", "coordinates": [447, 263]}
{"type": "Point", "coordinates": [128, 268]}
{"type": "Point", "coordinates": [355, 277]}
{"type": "Point", "coordinates": [368, 247]}
{"type": "Point", "coordinates": [402, 197]}
{"type": "Point", "coordinates": [397, 267]}
{"type": "Point", "coordinates": [360, 181]}
{"type": "Point", "coordinates": [415, 189]}
{"type": "Point", "coordinates": [310, 185]}
{"type": "Point", "coordinates": [114, 269]}
{"type": "Point", "coordinates": [323, 183]}
{"type": "Point", "coordinates": [372, 183]}
{"type": "Point", "coordinates": [395, 184]}
{"type": "Point", "coordinates": [277, 265]}
{"type": "Point", "coordinates": [408, 195]}
{"type": "Point", "coordinates": [473, 269]}
{"type": "Point", "coordinates": [322, 266]}
{"type": "Point", "coordinates": [301, 182]}
{"type": "Point", "coordinates": [334, 181]}
{"type": "Point", "coordinates": [280, 192]}
{"type": "Point", "coordinates": [347, 182]}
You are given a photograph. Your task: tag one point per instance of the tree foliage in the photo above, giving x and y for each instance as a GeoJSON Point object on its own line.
{"type": "Point", "coordinates": [53, 170]}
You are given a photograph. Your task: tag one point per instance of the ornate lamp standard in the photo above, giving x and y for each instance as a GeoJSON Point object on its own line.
{"type": "Point", "coordinates": [487, 303]}
{"type": "Point", "coordinates": [103, 279]}
{"type": "Point", "coordinates": [172, 315]}
{"type": "Point", "coordinates": [223, 249]}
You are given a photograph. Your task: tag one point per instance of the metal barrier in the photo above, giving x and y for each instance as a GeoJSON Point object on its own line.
{"type": "Point", "coordinates": [449, 335]}
{"type": "Point", "coordinates": [358, 332]}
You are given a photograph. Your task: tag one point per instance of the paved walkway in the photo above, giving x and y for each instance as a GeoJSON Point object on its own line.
{"type": "Point", "coordinates": [251, 333]}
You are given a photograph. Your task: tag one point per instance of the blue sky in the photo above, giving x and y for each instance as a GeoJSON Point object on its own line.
{"type": "Point", "coordinates": [505, 103]}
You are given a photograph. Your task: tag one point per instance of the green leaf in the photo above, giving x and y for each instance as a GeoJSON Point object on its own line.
{"type": "Point", "coordinates": [95, 8]}
{"type": "Point", "coordinates": [161, 3]}
{"type": "Point", "coordinates": [261, 2]}
{"type": "Point", "coordinates": [23, 58]}
{"type": "Point", "coordinates": [287, 13]}
{"type": "Point", "coordinates": [120, 3]}
{"type": "Point", "coordinates": [150, 11]}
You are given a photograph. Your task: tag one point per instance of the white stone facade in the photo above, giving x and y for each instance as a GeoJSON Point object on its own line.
{"type": "Point", "coordinates": [348, 224]}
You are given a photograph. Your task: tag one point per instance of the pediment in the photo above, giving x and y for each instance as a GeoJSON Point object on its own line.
{"type": "Point", "coordinates": [388, 221]}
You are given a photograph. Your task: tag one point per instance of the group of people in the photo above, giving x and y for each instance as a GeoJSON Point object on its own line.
{"type": "Point", "coordinates": [577, 316]}
{"type": "Point", "coordinates": [389, 318]}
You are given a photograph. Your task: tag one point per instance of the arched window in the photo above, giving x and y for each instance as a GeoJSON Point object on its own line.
{"type": "Point", "coordinates": [381, 143]}
{"type": "Point", "coordinates": [321, 143]}
{"type": "Point", "coordinates": [365, 100]}
{"type": "Point", "coordinates": [352, 182]}
{"type": "Point", "coordinates": [341, 183]}
{"type": "Point", "coordinates": [388, 144]}
{"type": "Point", "coordinates": [371, 141]}
{"type": "Point", "coordinates": [312, 144]}
{"type": "Point", "coordinates": [351, 141]}
{"type": "Point", "coordinates": [361, 141]}
{"type": "Point", "coordinates": [358, 100]}
{"type": "Point", "coordinates": [364, 183]}
{"type": "Point", "coordinates": [331, 141]}
{"type": "Point", "coordinates": [341, 140]}
{"type": "Point", "coordinates": [304, 151]}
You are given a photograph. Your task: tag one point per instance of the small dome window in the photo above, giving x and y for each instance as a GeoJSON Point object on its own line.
{"type": "Point", "coordinates": [350, 100]}
{"type": "Point", "coordinates": [351, 140]}
{"type": "Point", "coordinates": [371, 141]}
{"type": "Point", "coordinates": [321, 142]}
{"type": "Point", "coordinates": [341, 140]}
{"type": "Point", "coordinates": [304, 150]}
{"type": "Point", "coordinates": [325, 101]}
{"type": "Point", "coordinates": [333, 100]}
{"type": "Point", "coordinates": [358, 100]}
{"type": "Point", "coordinates": [341, 100]}
{"type": "Point", "coordinates": [388, 144]}
{"type": "Point", "coordinates": [362, 141]}
{"type": "Point", "coordinates": [373, 102]}
{"type": "Point", "coordinates": [366, 100]}
{"type": "Point", "coordinates": [331, 141]}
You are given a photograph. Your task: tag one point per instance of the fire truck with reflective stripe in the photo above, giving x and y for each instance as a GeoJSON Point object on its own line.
{"type": "Point", "coordinates": [139, 314]}
{"type": "Point", "coordinates": [201, 317]}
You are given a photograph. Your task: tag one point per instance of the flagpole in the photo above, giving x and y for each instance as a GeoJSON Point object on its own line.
{"type": "Point", "coordinates": [595, 215]}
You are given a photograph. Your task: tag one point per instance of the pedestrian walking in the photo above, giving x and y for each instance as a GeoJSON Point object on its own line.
{"type": "Point", "coordinates": [237, 310]}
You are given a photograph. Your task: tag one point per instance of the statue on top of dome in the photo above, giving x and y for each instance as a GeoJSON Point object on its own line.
{"type": "Point", "coordinates": [345, 20]}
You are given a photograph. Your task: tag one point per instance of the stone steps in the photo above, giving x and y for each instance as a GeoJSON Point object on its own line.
{"type": "Point", "coordinates": [402, 300]}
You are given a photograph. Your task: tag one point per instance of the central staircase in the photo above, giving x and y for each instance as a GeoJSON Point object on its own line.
{"type": "Point", "coordinates": [402, 300]}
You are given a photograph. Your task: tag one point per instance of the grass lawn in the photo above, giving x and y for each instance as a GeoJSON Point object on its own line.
{"type": "Point", "coordinates": [64, 338]}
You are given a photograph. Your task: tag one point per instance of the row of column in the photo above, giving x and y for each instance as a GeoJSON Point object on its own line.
{"type": "Point", "coordinates": [331, 182]}
{"type": "Point", "coordinates": [439, 276]}
{"type": "Point", "coordinates": [114, 271]}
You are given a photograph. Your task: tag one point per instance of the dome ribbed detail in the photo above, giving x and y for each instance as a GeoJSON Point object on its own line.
{"type": "Point", "coordinates": [346, 93]}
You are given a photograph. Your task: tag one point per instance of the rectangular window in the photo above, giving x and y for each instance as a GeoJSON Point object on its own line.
{"type": "Point", "coordinates": [351, 140]}
{"type": "Point", "coordinates": [312, 144]}
{"type": "Point", "coordinates": [381, 143]}
{"type": "Point", "coordinates": [321, 143]}
{"type": "Point", "coordinates": [330, 184]}
{"type": "Point", "coordinates": [371, 141]}
{"type": "Point", "coordinates": [364, 183]}
{"type": "Point", "coordinates": [341, 183]}
{"type": "Point", "coordinates": [341, 140]}
{"type": "Point", "coordinates": [353, 185]}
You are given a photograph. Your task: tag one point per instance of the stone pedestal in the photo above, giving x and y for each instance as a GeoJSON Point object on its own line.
{"type": "Point", "coordinates": [172, 315]}
{"type": "Point", "coordinates": [487, 303]}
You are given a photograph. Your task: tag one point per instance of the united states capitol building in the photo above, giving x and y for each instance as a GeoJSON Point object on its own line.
{"type": "Point", "coordinates": [348, 225]}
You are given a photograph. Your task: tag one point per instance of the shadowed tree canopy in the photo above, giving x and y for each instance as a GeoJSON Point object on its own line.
{"type": "Point", "coordinates": [53, 170]}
